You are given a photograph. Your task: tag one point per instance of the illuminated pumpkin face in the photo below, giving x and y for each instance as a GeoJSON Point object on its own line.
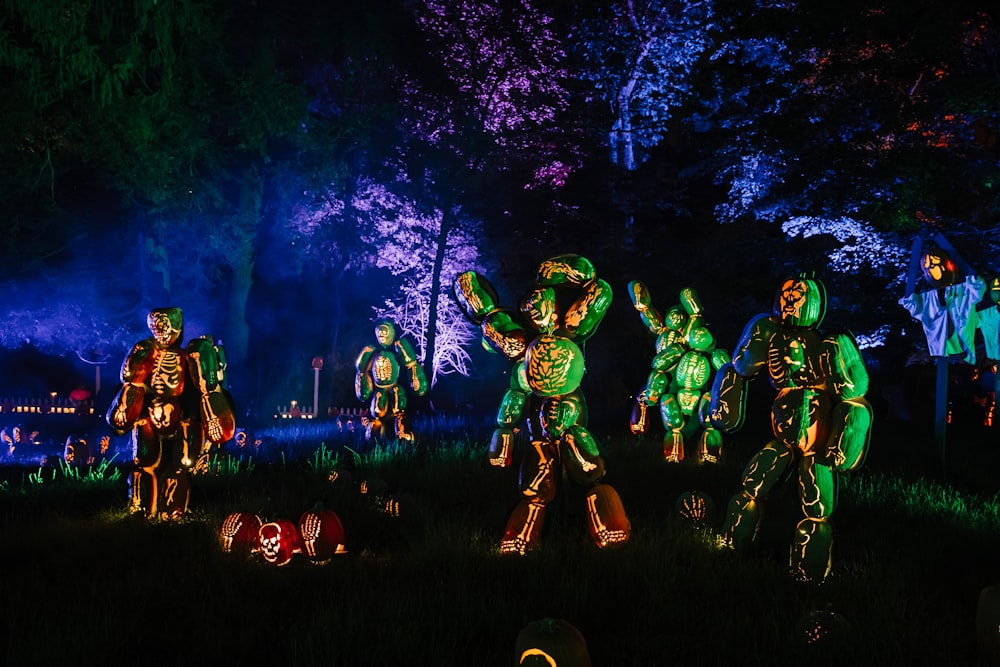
{"type": "Point", "coordinates": [801, 302]}
{"type": "Point", "coordinates": [540, 308]}
{"type": "Point", "coordinates": [166, 325]}
{"type": "Point", "coordinates": [385, 333]}
{"type": "Point", "coordinates": [995, 290]}
{"type": "Point", "coordinates": [551, 642]}
{"type": "Point", "coordinates": [279, 541]}
{"type": "Point", "coordinates": [938, 268]}
{"type": "Point", "coordinates": [674, 319]}
{"type": "Point", "coordinates": [554, 366]}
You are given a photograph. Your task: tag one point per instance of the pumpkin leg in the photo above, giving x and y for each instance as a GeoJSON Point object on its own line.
{"type": "Point", "coordinates": [524, 528]}
{"type": "Point", "coordinates": [607, 521]}
{"type": "Point", "coordinates": [146, 456]}
{"type": "Point", "coordinates": [743, 514]}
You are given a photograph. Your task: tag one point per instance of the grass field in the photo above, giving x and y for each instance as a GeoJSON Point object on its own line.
{"type": "Point", "coordinates": [84, 583]}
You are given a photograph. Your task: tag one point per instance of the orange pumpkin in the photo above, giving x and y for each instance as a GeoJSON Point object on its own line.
{"type": "Point", "coordinates": [239, 533]}
{"type": "Point", "coordinates": [322, 535]}
{"type": "Point", "coordinates": [279, 541]}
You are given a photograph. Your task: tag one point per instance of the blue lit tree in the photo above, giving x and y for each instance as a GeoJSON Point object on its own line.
{"type": "Point", "coordinates": [639, 57]}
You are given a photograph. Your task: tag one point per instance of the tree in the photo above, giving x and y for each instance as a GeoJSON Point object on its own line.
{"type": "Point", "coordinates": [639, 57]}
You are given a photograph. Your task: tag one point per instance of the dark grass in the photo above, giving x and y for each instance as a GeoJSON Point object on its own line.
{"type": "Point", "coordinates": [85, 583]}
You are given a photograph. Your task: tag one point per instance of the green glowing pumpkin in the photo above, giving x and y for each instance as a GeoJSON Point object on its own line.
{"type": "Point", "coordinates": [554, 366]}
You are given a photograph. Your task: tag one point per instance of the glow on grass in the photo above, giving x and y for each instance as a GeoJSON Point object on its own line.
{"type": "Point", "coordinates": [923, 497]}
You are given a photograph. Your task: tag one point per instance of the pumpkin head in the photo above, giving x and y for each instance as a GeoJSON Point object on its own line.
{"type": "Point", "coordinates": [938, 268]}
{"type": "Point", "coordinates": [551, 642]}
{"type": "Point", "coordinates": [239, 533]}
{"type": "Point", "coordinates": [322, 535]}
{"type": "Point", "coordinates": [801, 302]}
{"type": "Point", "coordinates": [279, 541]}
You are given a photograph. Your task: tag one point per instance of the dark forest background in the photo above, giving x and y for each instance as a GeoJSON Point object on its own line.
{"type": "Point", "coordinates": [285, 172]}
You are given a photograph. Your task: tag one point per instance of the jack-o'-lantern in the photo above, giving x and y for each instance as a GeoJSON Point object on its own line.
{"type": "Point", "coordinates": [551, 642]}
{"type": "Point", "coordinates": [696, 507]}
{"type": "Point", "coordinates": [801, 302]}
{"type": "Point", "coordinates": [938, 268]}
{"type": "Point", "coordinates": [824, 629]}
{"type": "Point", "coordinates": [239, 533]}
{"type": "Point", "coordinates": [279, 541]}
{"type": "Point", "coordinates": [76, 452]}
{"type": "Point", "coordinates": [322, 535]}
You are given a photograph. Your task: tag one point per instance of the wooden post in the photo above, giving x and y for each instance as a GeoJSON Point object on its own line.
{"type": "Point", "coordinates": [941, 410]}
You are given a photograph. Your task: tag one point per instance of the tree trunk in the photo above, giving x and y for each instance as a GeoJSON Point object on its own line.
{"type": "Point", "coordinates": [236, 330]}
{"type": "Point", "coordinates": [448, 215]}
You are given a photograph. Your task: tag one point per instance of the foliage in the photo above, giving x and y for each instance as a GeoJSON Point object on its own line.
{"type": "Point", "coordinates": [639, 58]}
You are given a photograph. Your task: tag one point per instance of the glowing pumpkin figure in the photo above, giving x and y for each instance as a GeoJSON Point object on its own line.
{"type": "Point", "coordinates": [565, 307]}
{"type": "Point", "coordinates": [377, 380]}
{"type": "Point", "coordinates": [551, 642]}
{"type": "Point", "coordinates": [322, 535]}
{"type": "Point", "coordinates": [279, 542]}
{"type": "Point", "coordinates": [820, 419]}
{"type": "Point", "coordinates": [239, 533]}
{"type": "Point", "coordinates": [680, 375]}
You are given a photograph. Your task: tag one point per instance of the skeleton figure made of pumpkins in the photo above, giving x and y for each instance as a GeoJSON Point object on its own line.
{"type": "Point", "coordinates": [565, 307]}
{"type": "Point", "coordinates": [318, 536]}
{"type": "Point", "coordinates": [680, 377]}
{"type": "Point", "coordinates": [377, 378]}
{"type": "Point", "coordinates": [820, 419]}
{"type": "Point", "coordinates": [173, 400]}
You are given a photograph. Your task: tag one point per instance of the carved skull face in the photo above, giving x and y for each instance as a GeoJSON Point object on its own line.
{"type": "Point", "coordinates": [279, 541]}
{"type": "Point", "coordinates": [165, 324]}
{"type": "Point", "coordinates": [385, 333]}
{"type": "Point", "coordinates": [801, 302]}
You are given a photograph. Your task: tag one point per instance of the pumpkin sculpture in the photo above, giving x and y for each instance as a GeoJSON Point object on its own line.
{"type": "Point", "coordinates": [322, 535]}
{"type": "Point", "coordinates": [680, 375]}
{"type": "Point", "coordinates": [551, 642]}
{"type": "Point", "coordinates": [565, 307]}
{"type": "Point", "coordinates": [239, 533]}
{"type": "Point", "coordinates": [820, 419]}
{"type": "Point", "coordinates": [279, 542]}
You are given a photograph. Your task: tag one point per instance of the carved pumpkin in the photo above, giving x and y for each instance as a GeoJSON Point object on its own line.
{"type": "Point", "coordinates": [279, 541]}
{"type": "Point", "coordinates": [696, 506]}
{"type": "Point", "coordinates": [551, 642]}
{"type": "Point", "coordinates": [322, 535]}
{"type": "Point", "coordinates": [239, 533]}
{"type": "Point", "coordinates": [825, 629]}
{"type": "Point", "coordinates": [801, 302]}
{"type": "Point", "coordinates": [607, 521]}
